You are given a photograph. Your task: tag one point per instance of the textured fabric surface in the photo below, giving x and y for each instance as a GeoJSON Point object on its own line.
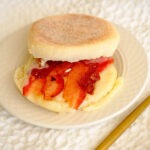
{"type": "Point", "coordinates": [15, 134]}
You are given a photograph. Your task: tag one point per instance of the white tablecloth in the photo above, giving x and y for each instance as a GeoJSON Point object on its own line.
{"type": "Point", "coordinates": [15, 134]}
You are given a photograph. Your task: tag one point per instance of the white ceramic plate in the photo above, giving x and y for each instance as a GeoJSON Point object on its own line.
{"type": "Point", "coordinates": [131, 63]}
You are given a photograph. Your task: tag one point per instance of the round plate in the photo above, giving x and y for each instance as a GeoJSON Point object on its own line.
{"type": "Point", "coordinates": [131, 63]}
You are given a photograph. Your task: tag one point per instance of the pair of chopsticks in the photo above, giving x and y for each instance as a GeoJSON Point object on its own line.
{"type": "Point", "coordinates": [112, 137]}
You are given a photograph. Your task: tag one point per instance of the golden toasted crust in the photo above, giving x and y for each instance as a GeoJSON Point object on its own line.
{"type": "Point", "coordinates": [72, 37]}
{"type": "Point", "coordinates": [58, 104]}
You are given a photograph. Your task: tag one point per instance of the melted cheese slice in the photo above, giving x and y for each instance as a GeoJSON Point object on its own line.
{"type": "Point", "coordinates": [105, 88]}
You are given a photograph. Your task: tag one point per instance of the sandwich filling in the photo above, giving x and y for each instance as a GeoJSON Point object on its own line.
{"type": "Point", "coordinates": [73, 79]}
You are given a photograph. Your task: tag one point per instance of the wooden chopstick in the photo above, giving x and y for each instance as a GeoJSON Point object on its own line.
{"type": "Point", "coordinates": [112, 137]}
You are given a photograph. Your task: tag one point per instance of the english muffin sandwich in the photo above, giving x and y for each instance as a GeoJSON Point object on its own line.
{"type": "Point", "coordinates": [71, 65]}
